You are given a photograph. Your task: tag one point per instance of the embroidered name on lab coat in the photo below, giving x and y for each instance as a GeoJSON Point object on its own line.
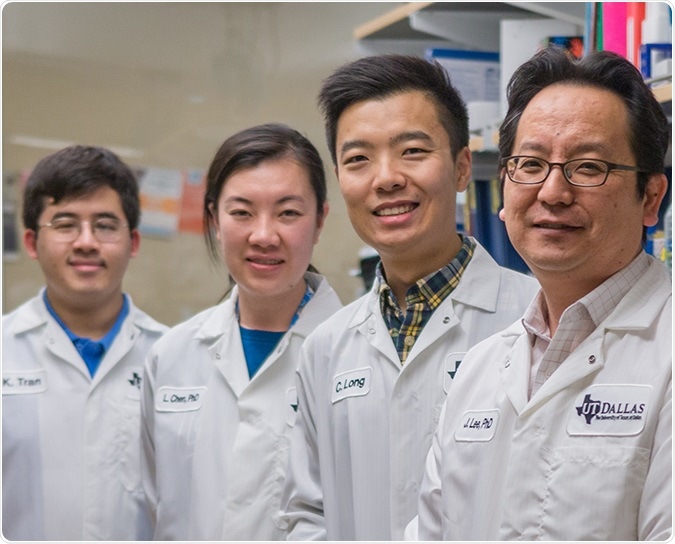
{"type": "Point", "coordinates": [354, 383]}
{"type": "Point", "coordinates": [477, 426]}
{"type": "Point", "coordinates": [179, 399]}
{"type": "Point", "coordinates": [291, 406]}
{"type": "Point", "coordinates": [610, 410]}
{"type": "Point", "coordinates": [24, 382]}
{"type": "Point", "coordinates": [452, 363]}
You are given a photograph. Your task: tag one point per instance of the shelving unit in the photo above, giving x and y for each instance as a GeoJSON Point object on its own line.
{"type": "Point", "coordinates": [469, 25]}
{"type": "Point", "coordinates": [474, 26]}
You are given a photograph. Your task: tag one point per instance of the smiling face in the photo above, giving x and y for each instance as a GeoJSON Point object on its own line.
{"type": "Point", "coordinates": [84, 273]}
{"type": "Point", "coordinates": [267, 225]}
{"type": "Point", "coordinates": [399, 180]}
{"type": "Point", "coordinates": [582, 234]}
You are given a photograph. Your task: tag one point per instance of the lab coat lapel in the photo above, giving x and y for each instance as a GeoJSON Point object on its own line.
{"type": "Point", "coordinates": [370, 324]}
{"type": "Point", "coordinates": [515, 368]}
{"type": "Point", "coordinates": [221, 333]}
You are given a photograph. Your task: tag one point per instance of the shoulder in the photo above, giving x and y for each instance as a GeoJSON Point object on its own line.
{"type": "Point", "coordinates": [334, 329]}
{"type": "Point", "coordinates": [30, 315]}
{"type": "Point", "coordinates": [209, 322]}
{"type": "Point", "coordinates": [144, 321]}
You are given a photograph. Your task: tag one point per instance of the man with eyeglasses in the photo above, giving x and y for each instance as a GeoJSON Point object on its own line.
{"type": "Point", "coordinates": [560, 427]}
{"type": "Point", "coordinates": [72, 359]}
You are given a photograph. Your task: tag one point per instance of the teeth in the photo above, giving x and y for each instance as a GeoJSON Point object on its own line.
{"type": "Point", "coordinates": [394, 211]}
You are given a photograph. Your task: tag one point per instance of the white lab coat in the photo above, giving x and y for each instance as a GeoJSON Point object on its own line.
{"type": "Point", "coordinates": [215, 441]}
{"type": "Point", "coordinates": [365, 423]}
{"type": "Point", "coordinates": [505, 468]}
{"type": "Point", "coordinates": [70, 443]}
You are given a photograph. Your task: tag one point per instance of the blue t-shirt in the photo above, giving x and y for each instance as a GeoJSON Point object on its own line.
{"type": "Point", "coordinates": [92, 351]}
{"type": "Point", "coordinates": [259, 344]}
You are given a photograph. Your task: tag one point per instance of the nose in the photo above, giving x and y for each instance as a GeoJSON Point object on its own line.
{"type": "Point", "coordinates": [86, 237]}
{"type": "Point", "coordinates": [388, 176]}
{"type": "Point", "coordinates": [555, 189]}
{"type": "Point", "coordinates": [264, 232]}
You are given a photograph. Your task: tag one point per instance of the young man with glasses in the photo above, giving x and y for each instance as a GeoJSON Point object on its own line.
{"type": "Point", "coordinates": [72, 359]}
{"type": "Point", "coordinates": [560, 427]}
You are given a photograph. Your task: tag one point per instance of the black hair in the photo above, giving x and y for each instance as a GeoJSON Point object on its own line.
{"type": "Point", "coordinates": [76, 171]}
{"type": "Point", "coordinates": [648, 127]}
{"type": "Point", "coordinates": [249, 148]}
{"type": "Point", "coordinates": [379, 77]}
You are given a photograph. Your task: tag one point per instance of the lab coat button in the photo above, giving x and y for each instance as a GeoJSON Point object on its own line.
{"type": "Point", "coordinates": [218, 356]}
{"type": "Point", "coordinates": [507, 363]}
{"type": "Point", "coordinates": [591, 360]}
{"type": "Point", "coordinates": [446, 320]}
{"type": "Point", "coordinates": [371, 331]}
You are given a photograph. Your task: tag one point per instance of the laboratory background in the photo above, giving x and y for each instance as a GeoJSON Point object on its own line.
{"type": "Point", "coordinates": [163, 84]}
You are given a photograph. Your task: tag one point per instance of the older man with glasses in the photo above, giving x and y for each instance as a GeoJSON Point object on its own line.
{"type": "Point", "coordinates": [560, 427]}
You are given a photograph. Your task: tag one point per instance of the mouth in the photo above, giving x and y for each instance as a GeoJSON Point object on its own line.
{"type": "Point", "coordinates": [395, 210]}
{"type": "Point", "coordinates": [556, 227]}
{"type": "Point", "coordinates": [87, 266]}
{"type": "Point", "coordinates": [265, 262]}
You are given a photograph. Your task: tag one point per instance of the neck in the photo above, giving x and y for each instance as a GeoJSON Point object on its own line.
{"type": "Point", "coordinates": [403, 271]}
{"type": "Point", "coordinates": [272, 314]}
{"type": "Point", "coordinates": [87, 319]}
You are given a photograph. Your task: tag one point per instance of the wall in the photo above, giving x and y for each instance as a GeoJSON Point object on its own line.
{"type": "Point", "coordinates": [165, 84]}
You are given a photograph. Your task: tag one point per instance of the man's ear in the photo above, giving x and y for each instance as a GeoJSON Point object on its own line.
{"type": "Point", "coordinates": [135, 242]}
{"type": "Point", "coordinates": [30, 243]}
{"type": "Point", "coordinates": [463, 164]}
{"type": "Point", "coordinates": [656, 190]}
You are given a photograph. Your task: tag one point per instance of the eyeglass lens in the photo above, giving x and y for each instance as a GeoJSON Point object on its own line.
{"type": "Point", "coordinates": [104, 230]}
{"type": "Point", "coordinates": [578, 171]}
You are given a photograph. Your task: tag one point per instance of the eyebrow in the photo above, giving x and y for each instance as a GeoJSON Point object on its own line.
{"type": "Point", "coordinates": [282, 200]}
{"type": "Point", "coordinates": [100, 215]}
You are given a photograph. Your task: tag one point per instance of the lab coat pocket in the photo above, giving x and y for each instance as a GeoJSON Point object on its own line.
{"type": "Point", "coordinates": [586, 484]}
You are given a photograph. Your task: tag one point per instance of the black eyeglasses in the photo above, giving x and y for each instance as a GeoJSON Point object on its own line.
{"type": "Point", "coordinates": [68, 229]}
{"type": "Point", "coordinates": [580, 172]}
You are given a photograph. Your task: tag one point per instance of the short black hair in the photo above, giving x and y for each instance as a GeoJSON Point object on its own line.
{"type": "Point", "coordinates": [382, 76]}
{"type": "Point", "coordinates": [649, 131]}
{"type": "Point", "coordinates": [76, 171]}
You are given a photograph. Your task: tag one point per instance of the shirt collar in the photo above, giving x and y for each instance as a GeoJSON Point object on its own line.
{"type": "Point", "coordinates": [433, 288]}
{"type": "Point", "coordinates": [108, 339]}
{"type": "Point", "coordinates": [597, 304]}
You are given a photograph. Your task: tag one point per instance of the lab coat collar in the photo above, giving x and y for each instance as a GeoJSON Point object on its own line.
{"type": "Point", "coordinates": [479, 286]}
{"type": "Point", "coordinates": [632, 312]}
{"type": "Point", "coordinates": [34, 314]}
{"type": "Point", "coordinates": [220, 318]}
{"type": "Point", "coordinates": [37, 315]}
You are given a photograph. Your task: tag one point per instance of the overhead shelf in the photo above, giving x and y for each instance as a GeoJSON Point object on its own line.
{"type": "Point", "coordinates": [470, 24]}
